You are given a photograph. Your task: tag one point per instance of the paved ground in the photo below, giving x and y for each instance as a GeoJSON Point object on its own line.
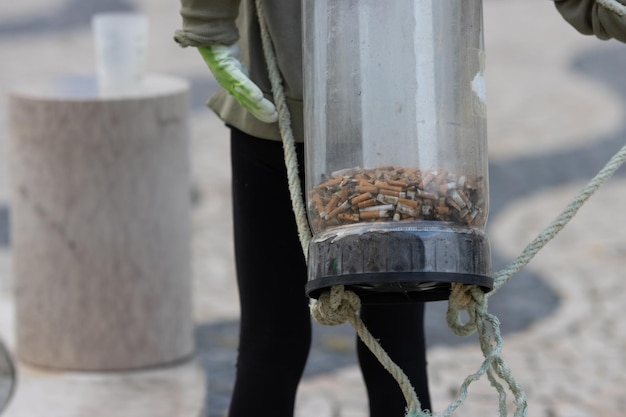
{"type": "Point", "coordinates": [557, 112]}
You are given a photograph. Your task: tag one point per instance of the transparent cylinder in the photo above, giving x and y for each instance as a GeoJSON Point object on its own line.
{"type": "Point", "coordinates": [395, 120]}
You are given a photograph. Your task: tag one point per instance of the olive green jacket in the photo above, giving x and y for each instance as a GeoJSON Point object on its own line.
{"type": "Point", "coordinates": [210, 22]}
{"type": "Point", "coordinates": [590, 17]}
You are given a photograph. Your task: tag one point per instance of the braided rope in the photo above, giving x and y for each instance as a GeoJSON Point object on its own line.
{"type": "Point", "coordinates": [338, 305]}
{"type": "Point", "coordinates": [286, 133]}
{"type": "Point", "coordinates": [501, 277]}
{"type": "Point", "coordinates": [472, 300]}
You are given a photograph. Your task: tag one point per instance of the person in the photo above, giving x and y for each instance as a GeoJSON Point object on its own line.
{"type": "Point", "coordinates": [275, 326]}
{"type": "Point", "coordinates": [275, 322]}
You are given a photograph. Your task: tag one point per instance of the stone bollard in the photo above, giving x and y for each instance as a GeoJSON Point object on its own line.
{"type": "Point", "coordinates": [101, 224]}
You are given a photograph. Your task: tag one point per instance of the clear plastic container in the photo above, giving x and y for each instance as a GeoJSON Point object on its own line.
{"type": "Point", "coordinates": [395, 128]}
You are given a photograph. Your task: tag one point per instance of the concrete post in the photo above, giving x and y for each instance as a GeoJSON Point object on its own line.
{"type": "Point", "coordinates": [101, 225]}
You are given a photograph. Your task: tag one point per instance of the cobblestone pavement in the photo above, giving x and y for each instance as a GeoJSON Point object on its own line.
{"type": "Point", "coordinates": [556, 112]}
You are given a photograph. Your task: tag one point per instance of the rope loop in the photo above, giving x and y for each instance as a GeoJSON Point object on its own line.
{"type": "Point", "coordinates": [468, 298]}
{"type": "Point", "coordinates": [336, 306]}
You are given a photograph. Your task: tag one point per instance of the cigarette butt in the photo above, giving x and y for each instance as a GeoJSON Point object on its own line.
{"type": "Point", "coordinates": [415, 177]}
{"type": "Point", "coordinates": [451, 203]}
{"type": "Point", "coordinates": [410, 203]}
{"type": "Point", "coordinates": [389, 192]}
{"type": "Point", "coordinates": [402, 208]}
{"type": "Point", "coordinates": [346, 172]}
{"type": "Point", "coordinates": [344, 193]}
{"type": "Point", "coordinates": [349, 217]}
{"type": "Point", "coordinates": [331, 182]}
{"type": "Point", "coordinates": [370, 215]}
{"type": "Point", "coordinates": [361, 197]}
{"type": "Point", "coordinates": [465, 199]}
{"type": "Point", "coordinates": [367, 203]}
{"type": "Point", "coordinates": [340, 209]}
{"type": "Point", "coordinates": [334, 200]}
{"type": "Point", "coordinates": [317, 201]}
{"type": "Point", "coordinates": [443, 188]}
{"type": "Point", "coordinates": [386, 186]}
{"type": "Point", "coordinates": [428, 178]}
{"type": "Point", "coordinates": [426, 194]}
{"type": "Point", "coordinates": [456, 196]}
{"type": "Point", "coordinates": [375, 208]}
{"type": "Point", "coordinates": [399, 183]}
{"type": "Point", "coordinates": [396, 217]}
{"type": "Point", "coordinates": [476, 216]}
{"type": "Point", "coordinates": [386, 199]}
{"type": "Point", "coordinates": [366, 189]}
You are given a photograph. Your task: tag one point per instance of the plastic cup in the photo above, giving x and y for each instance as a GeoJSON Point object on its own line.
{"type": "Point", "coordinates": [121, 41]}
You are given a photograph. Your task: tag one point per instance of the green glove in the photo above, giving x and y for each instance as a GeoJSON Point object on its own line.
{"type": "Point", "coordinates": [223, 61]}
{"type": "Point", "coordinates": [606, 19]}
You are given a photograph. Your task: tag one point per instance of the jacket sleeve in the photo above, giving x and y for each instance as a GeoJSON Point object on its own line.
{"type": "Point", "coordinates": [208, 22]}
{"type": "Point", "coordinates": [596, 17]}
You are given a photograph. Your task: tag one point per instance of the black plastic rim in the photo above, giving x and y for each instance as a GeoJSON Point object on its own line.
{"type": "Point", "coordinates": [398, 287]}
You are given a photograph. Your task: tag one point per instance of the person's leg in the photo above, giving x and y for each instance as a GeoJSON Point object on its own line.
{"type": "Point", "coordinates": [400, 330]}
{"type": "Point", "coordinates": [275, 329]}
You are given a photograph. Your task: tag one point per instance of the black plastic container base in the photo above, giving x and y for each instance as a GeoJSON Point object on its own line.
{"type": "Point", "coordinates": [398, 287]}
{"type": "Point", "coordinates": [400, 264]}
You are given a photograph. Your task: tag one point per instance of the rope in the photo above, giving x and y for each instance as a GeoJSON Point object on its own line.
{"type": "Point", "coordinates": [286, 133]}
{"type": "Point", "coordinates": [472, 300]}
{"type": "Point", "coordinates": [501, 277]}
{"type": "Point", "coordinates": [337, 306]}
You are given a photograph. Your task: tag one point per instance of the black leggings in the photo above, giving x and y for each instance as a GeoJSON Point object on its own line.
{"type": "Point", "coordinates": [275, 329]}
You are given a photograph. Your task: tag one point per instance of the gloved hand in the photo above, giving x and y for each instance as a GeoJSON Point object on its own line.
{"type": "Point", "coordinates": [223, 61]}
{"type": "Point", "coordinates": [606, 19]}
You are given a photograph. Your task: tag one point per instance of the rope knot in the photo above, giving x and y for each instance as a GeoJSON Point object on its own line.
{"type": "Point", "coordinates": [461, 295]}
{"type": "Point", "coordinates": [336, 306]}
{"type": "Point", "coordinates": [468, 298]}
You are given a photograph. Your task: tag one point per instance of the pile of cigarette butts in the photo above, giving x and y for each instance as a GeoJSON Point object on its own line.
{"type": "Point", "coordinates": [397, 194]}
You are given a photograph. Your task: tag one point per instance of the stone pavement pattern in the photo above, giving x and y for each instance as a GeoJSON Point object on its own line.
{"type": "Point", "coordinates": [556, 113]}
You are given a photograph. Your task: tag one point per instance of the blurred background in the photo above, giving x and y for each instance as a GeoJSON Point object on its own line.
{"type": "Point", "coordinates": [556, 114]}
